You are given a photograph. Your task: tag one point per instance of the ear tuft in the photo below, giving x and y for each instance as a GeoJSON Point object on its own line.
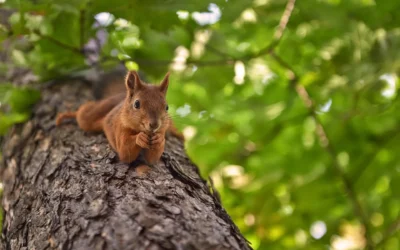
{"type": "Point", "coordinates": [164, 83]}
{"type": "Point", "coordinates": [132, 81]}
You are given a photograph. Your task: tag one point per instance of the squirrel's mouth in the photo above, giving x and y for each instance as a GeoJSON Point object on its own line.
{"type": "Point", "coordinates": [149, 129]}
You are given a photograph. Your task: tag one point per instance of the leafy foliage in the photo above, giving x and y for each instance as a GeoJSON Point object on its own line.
{"type": "Point", "coordinates": [297, 123]}
{"type": "Point", "coordinates": [17, 103]}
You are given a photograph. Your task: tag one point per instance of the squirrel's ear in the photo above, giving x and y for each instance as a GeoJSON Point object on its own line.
{"type": "Point", "coordinates": [132, 81]}
{"type": "Point", "coordinates": [164, 83]}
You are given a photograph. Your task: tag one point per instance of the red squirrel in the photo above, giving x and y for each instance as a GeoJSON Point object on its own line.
{"type": "Point", "coordinates": [133, 121]}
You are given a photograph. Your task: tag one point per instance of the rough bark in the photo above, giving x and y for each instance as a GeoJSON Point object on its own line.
{"type": "Point", "coordinates": [64, 189]}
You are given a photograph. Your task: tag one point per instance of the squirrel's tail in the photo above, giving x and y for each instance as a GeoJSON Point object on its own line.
{"type": "Point", "coordinates": [62, 116]}
{"type": "Point", "coordinates": [172, 130]}
{"type": "Point", "coordinates": [111, 82]}
{"type": "Point", "coordinates": [90, 115]}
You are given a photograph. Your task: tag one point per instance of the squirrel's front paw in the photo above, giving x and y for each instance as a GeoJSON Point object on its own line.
{"type": "Point", "coordinates": [142, 140]}
{"type": "Point", "coordinates": [157, 140]}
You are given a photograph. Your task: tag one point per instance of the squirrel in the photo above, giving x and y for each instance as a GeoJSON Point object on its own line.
{"type": "Point", "coordinates": [134, 121]}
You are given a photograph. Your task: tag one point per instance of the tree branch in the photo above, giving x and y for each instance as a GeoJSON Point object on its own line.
{"type": "Point", "coordinates": [162, 62]}
{"type": "Point", "coordinates": [284, 19]}
{"type": "Point", "coordinates": [269, 48]}
{"type": "Point", "coordinates": [162, 208]}
{"type": "Point", "coordinates": [381, 142]}
{"type": "Point", "coordinates": [227, 59]}
{"type": "Point", "coordinates": [279, 32]}
{"type": "Point", "coordinates": [218, 52]}
{"type": "Point", "coordinates": [394, 227]}
{"type": "Point", "coordinates": [60, 44]}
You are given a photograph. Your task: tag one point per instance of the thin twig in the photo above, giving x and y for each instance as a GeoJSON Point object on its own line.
{"type": "Point", "coordinates": [227, 59]}
{"type": "Point", "coordinates": [393, 228]}
{"type": "Point", "coordinates": [63, 45]}
{"type": "Point", "coordinates": [382, 142]}
{"type": "Point", "coordinates": [326, 144]}
{"type": "Point", "coordinates": [218, 52]}
{"type": "Point", "coordinates": [230, 60]}
{"type": "Point", "coordinates": [279, 32]}
{"type": "Point", "coordinates": [211, 62]}
{"type": "Point", "coordinates": [162, 62]}
{"type": "Point", "coordinates": [284, 19]}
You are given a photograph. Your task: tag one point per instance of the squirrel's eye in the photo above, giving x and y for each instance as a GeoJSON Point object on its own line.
{"type": "Point", "coordinates": [166, 108]}
{"type": "Point", "coordinates": [136, 104]}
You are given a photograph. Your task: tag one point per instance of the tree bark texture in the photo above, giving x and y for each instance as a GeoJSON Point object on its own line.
{"type": "Point", "coordinates": [65, 189]}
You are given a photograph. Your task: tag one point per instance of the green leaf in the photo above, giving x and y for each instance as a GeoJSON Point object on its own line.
{"type": "Point", "coordinates": [7, 120]}
{"type": "Point", "coordinates": [21, 100]}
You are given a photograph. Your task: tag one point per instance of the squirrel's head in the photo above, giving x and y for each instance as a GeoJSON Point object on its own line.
{"type": "Point", "coordinates": [146, 106]}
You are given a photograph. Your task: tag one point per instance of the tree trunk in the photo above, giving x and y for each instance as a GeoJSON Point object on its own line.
{"type": "Point", "coordinates": [64, 189]}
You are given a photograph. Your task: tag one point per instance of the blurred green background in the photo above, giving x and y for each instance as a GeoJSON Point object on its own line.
{"type": "Point", "coordinates": [290, 106]}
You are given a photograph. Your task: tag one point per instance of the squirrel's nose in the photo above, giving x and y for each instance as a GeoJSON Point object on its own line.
{"type": "Point", "coordinates": [153, 125]}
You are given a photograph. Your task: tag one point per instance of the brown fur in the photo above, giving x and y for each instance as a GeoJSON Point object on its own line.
{"type": "Point", "coordinates": [142, 170]}
{"type": "Point", "coordinates": [130, 130]}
